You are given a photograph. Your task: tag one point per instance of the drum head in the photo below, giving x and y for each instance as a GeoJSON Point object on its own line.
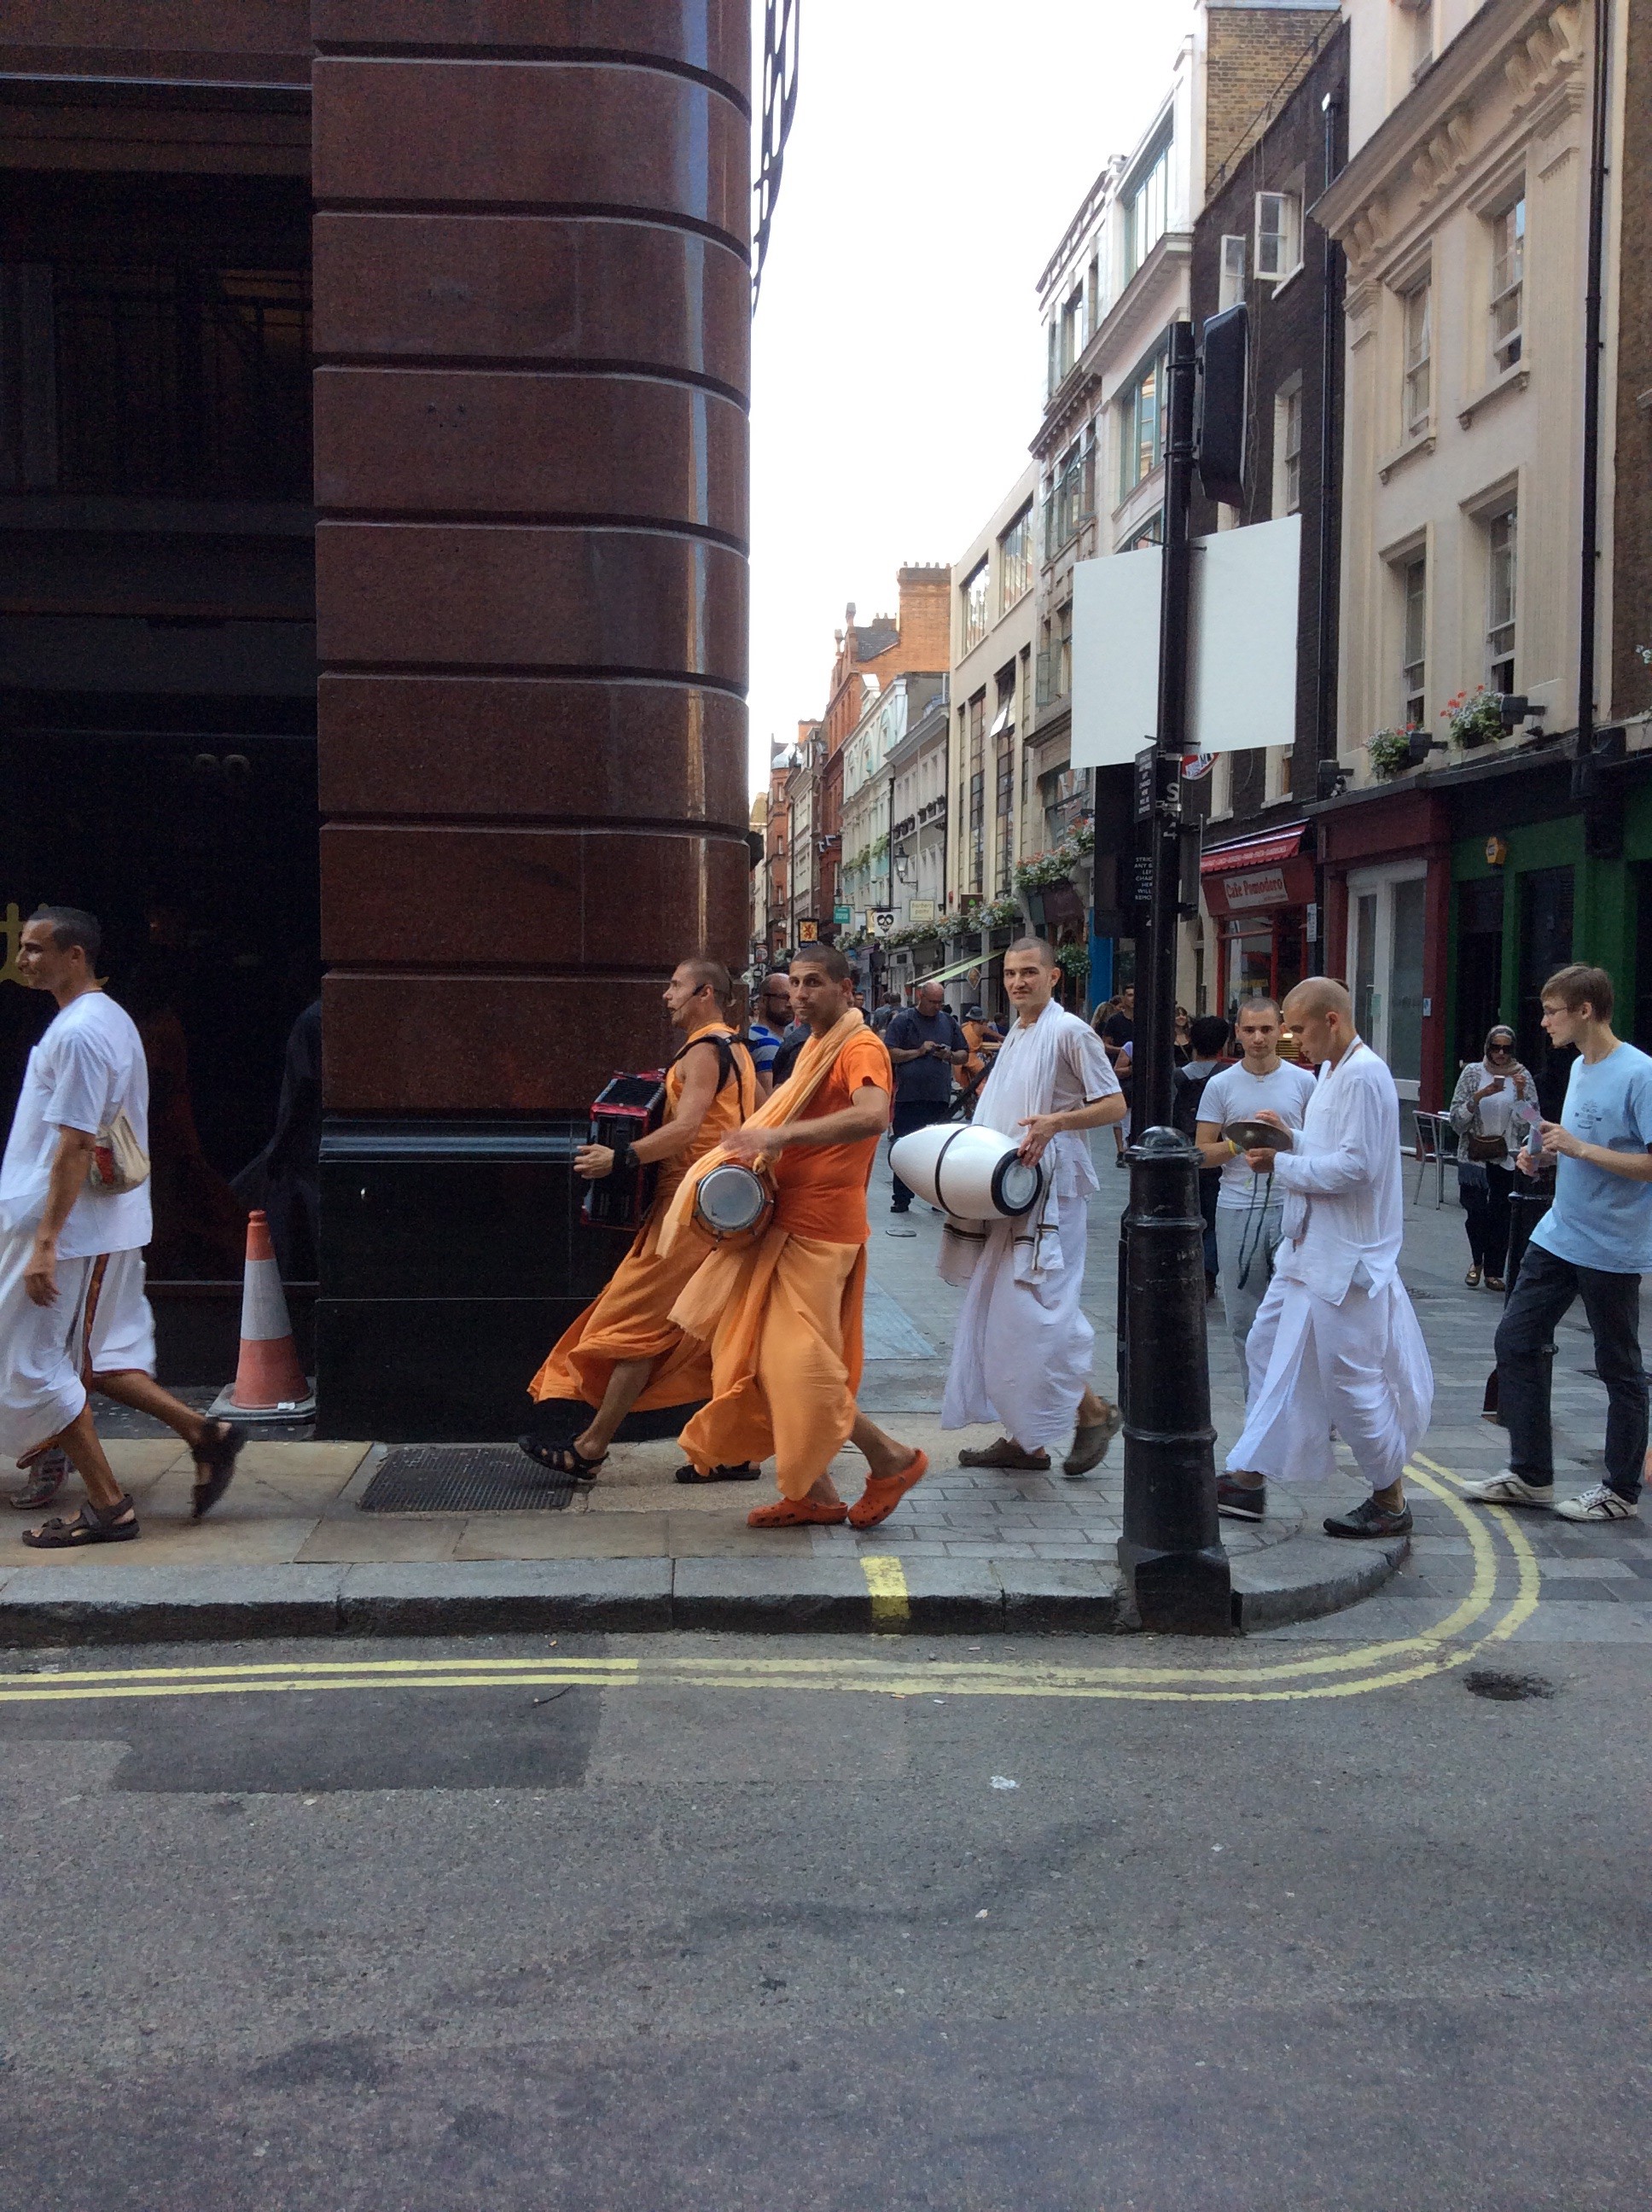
{"type": "Point", "coordinates": [730, 1199]}
{"type": "Point", "coordinates": [1248, 1135]}
{"type": "Point", "coordinates": [1018, 1186]}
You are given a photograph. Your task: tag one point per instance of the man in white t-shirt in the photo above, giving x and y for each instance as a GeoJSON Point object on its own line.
{"type": "Point", "coordinates": [1248, 1209]}
{"type": "Point", "coordinates": [73, 1315]}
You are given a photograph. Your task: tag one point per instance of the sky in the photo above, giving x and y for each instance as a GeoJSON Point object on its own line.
{"type": "Point", "coordinates": [939, 149]}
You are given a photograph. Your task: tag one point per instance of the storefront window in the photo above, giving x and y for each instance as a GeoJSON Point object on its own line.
{"type": "Point", "coordinates": [1546, 921]}
{"type": "Point", "coordinates": [1406, 987]}
{"type": "Point", "coordinates": [1250, 963]}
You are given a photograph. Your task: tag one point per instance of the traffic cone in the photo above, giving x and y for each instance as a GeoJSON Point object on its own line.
{"type": "Point", "coordinates": [269, 1384]}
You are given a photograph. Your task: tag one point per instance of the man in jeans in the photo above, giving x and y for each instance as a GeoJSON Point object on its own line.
{"type": "Point", "coordinates": [1595, 1242]}
{"type": "Point", "coordinates": [926, 1044]}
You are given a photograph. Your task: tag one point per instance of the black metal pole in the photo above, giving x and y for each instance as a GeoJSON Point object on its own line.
{"type": "Point", "coordinates": [1176, 1572]}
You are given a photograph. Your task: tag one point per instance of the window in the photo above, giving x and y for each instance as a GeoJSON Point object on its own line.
{"type": "Point", "coordinates": [1070, 497]}
{"type": "Point", "coordinates": [1143, 439]}
{"type": "Point", "coordinates": [1026, 691]}
{"type": "Point", "coordinates": [1147, 209]}
{"type": "Point", "coordinates": [1150, 533]}
{"type": "Point", "coordinates": [1072, 329]}
{"type": "Point", "coordinates": [1014, 561]}
{"type": "Point", "coordinates": [973, 850]}
{"type": "Point", "coordinates": [1278, 233]}
{"type": "Point", "coordinates": [1287, 448]}
{"type": "Point", "coordinates": [1231, 283]}
{"type": "Point", "coordinates": [1418, 347]}
{"type": "Point", "coordinates": [1412, 665]}
{"type": "Point", "coordinates": [181, 379]}
{"type": "Point", "coordinates": [1501, 550]}
{"type": "Point", "coordinates": [973, 591]}
{"type": "Point", "coordinates": [1422, 36]}
{"type": "Point", "coordinates": [1063, 646]}
{"type": "Point", "coordinates": [1508, 283]}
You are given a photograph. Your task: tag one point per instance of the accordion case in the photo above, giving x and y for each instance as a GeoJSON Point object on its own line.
{"type": "Point", "coordinates": [626, 1108]}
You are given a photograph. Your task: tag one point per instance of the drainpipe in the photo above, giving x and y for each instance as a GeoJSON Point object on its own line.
{"type": "Point", "coordinates": [1588, 576]}
{"type": "Point", "coordinates": [1325, 747]}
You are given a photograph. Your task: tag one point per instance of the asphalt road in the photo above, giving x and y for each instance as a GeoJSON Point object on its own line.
{"type": "Point", "coordinates": [698, 1925]}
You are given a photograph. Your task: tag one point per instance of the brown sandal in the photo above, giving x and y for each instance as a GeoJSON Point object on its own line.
{"type": "Point", "coordinates": [91, 1525]}
{"type": "Point", "coordinates": [1005, 1453]}
{"type": "Point", "coordinates": [215, 1458]}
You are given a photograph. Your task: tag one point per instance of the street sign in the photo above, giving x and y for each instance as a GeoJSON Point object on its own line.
{"type": "Point", "coordinates": [809, 932]}
{"type": "Point", "coordinates": [1144, 877]}
{"type": "Point", "coordinates": [1144, 784]}
{"type": "Point", "coordinates": [883, 922]}
{"type": "Point", "coordinates": [920, 909]}
{"type": "Point", "coordinates": [841, 914]}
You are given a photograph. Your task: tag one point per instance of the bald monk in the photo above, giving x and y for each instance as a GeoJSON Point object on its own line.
{"type": "Point", "coordinates": [783, 1316]}
{"type": "Point", "coordinates": [1335, 1343]}
{"type": "Point", "coordinates": [624, 1352]}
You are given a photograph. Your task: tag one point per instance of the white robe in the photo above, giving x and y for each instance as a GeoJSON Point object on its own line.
{"type": "Point", "coordinates": [1022, 1351]}
{"type": "Point", "coordinates": [1335, 1343]}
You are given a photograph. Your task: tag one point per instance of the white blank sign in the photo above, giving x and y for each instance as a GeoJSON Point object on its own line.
{"type": "Point", "coordinates": [1242, 690]}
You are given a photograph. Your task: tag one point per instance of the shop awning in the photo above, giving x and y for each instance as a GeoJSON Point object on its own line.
{"type": "Point", "coordinates": [1265, 852]}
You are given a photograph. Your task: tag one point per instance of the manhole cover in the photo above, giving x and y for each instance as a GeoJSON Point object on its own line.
{"type": "Point", "coordinates": [1507, 1689]}
{"type": "Point", "coordinates": [464, 1479]}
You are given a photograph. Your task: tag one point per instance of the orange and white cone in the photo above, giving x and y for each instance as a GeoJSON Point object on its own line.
{"type": "Point", "coordinates": [269, 1383]}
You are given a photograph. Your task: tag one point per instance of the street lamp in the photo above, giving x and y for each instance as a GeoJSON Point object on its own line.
{"type": "Point", "coordinates": [1175, 1570]}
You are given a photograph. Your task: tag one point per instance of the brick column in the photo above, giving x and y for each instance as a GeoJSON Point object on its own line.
{"type": "Point", "coordinates": [531, 334]}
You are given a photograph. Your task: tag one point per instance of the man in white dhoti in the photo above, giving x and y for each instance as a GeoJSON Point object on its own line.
{"type": "Point", "coordinates": [74, 1218]}
{"type": "Point", "coordinates": [1022, 1352]}
{"type": "Point", "coordinates": [1335, 1343]}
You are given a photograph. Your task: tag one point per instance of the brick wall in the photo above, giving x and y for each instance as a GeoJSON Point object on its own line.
{"type": "Point", "coordinates": [1632, 549]}
{"type": "Point", "coordinates": [925, 623]}
{"type": "Point", "coordinates": [1254, 57]}
{"type": "Point", "coordinates": [1287, 340]}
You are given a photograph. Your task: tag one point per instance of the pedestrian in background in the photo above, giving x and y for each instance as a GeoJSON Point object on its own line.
{"type": "Point", "coordinates": [887, 1011]}
{"type": "Point", "coordinates": [1595, 1242]}
{"type": "Point", "coordinates": [1116, 1024]}
{"type": "Point", "coordinates": [771, 1017]}
{"type": "Point", "coordinates": [925, 1044]}
{"type": "Point", "coordinates": [1209, 1042]}
{"type": "Point", "coordinates": [1249, 1208]}
{"type": "Point", "coordinates": [1483, 1106]}
{"type": "Point", "coordinates": [75, 1216]}
{"type": "Point", "coordinates": [1184, 1037]}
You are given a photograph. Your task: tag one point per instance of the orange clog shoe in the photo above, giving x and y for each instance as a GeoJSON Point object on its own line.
{"type": "Point", "coordinates": [798, 1513]}
{"type": "Point", "coordinates": [884, 1492]}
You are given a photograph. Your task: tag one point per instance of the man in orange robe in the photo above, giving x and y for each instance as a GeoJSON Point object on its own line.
{"type": "Point", "coordinates": [624, 1352]}
{"type": "Point", "coordinates": [782, 1315]}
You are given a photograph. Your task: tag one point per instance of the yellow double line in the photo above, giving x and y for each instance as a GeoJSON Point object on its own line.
{"type": "Point", "coordinates": [1452, 1641]}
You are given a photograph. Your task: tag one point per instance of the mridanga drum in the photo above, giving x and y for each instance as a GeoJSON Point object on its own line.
{"type": "Point", "coordinates": [732, 1203]}
{"type": "Point", "coordinates": [972, 1173]}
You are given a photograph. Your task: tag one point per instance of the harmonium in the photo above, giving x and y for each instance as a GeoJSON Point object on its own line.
{"type": "Point", "coordinates": [626, 1108]}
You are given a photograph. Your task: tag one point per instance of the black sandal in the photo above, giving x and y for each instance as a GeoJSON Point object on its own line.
{"type": "Point", "coordinates": [563, 1459]}
{"type": "Point", "coordinates": [743, 1472]}
{"type": "Point", "coordinates": [216, 1455]}
{"type": "Point", "coordinates": [91, 1525]}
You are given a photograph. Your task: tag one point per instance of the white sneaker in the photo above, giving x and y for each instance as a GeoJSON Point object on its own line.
{"type": "Point", "coordinates": [1508, 1489]}
{"type": "Point", "coordinates": [1600, 1504]}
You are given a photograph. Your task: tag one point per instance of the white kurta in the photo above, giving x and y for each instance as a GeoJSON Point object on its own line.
{"type": "Point", "coordinates": [1021, 1354]}
{"type": "Point", "coordinates": [1335, 1343]}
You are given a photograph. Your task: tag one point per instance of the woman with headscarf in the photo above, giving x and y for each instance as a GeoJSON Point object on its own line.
{"type": "Point", "coordinates": [1489, 1091]}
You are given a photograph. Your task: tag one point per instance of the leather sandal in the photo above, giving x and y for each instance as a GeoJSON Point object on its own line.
{"type": "Point", "coordinates": [745, 1472]}
{"type": "Point", "coordinates": [1005, 1453]}
{"type": "Point", "coordinates": [563, 1459]}
{"type": "Point", "coordinates": [215, 1458]}
{"type": "Point", "coordinates": [93, 1524]}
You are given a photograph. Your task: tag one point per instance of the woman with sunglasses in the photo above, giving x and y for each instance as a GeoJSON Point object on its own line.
{"type": "Point", "coordinates": [1482, 1107]}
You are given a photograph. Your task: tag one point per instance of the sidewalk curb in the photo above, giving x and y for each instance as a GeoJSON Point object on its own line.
{"type": "Point", "coordinates": [119, 1604]}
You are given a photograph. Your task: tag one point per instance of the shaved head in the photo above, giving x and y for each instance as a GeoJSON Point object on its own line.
{"type": "Point", "coordinates": [708, 976]}
{"type": "Point", "coordinates": [1318, 995]}
{"type": "Point", "coordinates": [1040, 946]}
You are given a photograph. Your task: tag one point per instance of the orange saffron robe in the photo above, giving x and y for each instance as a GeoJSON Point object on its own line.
{"type": "Point", "coordinates": [782, 1318]}
{"type": "Point", "coordinates": [631, 1319]}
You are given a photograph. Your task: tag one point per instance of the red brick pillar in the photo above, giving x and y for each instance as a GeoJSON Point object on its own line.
{"type": "Point", "coordinates": [532, 335]}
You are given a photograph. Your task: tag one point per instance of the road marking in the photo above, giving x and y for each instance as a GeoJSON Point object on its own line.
{"type": "Point", "coordinates": [887, 1582]}
{"type": "Point", "coordinates": [1378, 1666]}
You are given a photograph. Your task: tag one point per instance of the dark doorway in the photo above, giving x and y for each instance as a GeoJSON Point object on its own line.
{"type": "Point", "coordinates": [1545, 924]}
{"type": "Point", "coordinates": [1479, 965]}
{"type": "Point", "coordinates": [1641, 892]}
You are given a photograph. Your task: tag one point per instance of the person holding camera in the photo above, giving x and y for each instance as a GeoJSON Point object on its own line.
{"type": "Point", "coordinates": [925, 1044]}
{"type": "Point", "coordinates": [1489, 1091]}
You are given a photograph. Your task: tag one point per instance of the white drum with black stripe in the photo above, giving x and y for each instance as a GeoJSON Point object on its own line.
{"type": "Point", "coordinates": [971, 1173]}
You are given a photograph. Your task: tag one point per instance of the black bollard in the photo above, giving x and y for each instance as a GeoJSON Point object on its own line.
{"type": "Point", "coordinates": [1176, 1572]}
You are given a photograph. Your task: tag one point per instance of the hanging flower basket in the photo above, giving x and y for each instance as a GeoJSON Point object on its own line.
{"type": "Point", "coordinates": [1474, 718]}
{"type": "Point", "coordinates": [1390, 753]}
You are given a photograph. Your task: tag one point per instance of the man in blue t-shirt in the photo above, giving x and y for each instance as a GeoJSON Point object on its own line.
{"type": "Point", "coordinates": [1595, 1242]}
{"type": "Point", "coordinates": [925, 1044]}
{"type": "Point", "coordinates": [771, 1016]}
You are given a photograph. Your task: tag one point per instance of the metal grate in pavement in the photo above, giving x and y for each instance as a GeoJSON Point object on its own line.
{"type": "Point", "coordinates": [464, 1479]}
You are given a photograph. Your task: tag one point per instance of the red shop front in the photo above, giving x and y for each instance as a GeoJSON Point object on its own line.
{"type": "Point", "coordinates": [1259, 891]}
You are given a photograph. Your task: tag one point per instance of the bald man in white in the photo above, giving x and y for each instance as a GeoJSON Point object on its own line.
{"type": "Point", "coordinates": [1335, 1343]}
